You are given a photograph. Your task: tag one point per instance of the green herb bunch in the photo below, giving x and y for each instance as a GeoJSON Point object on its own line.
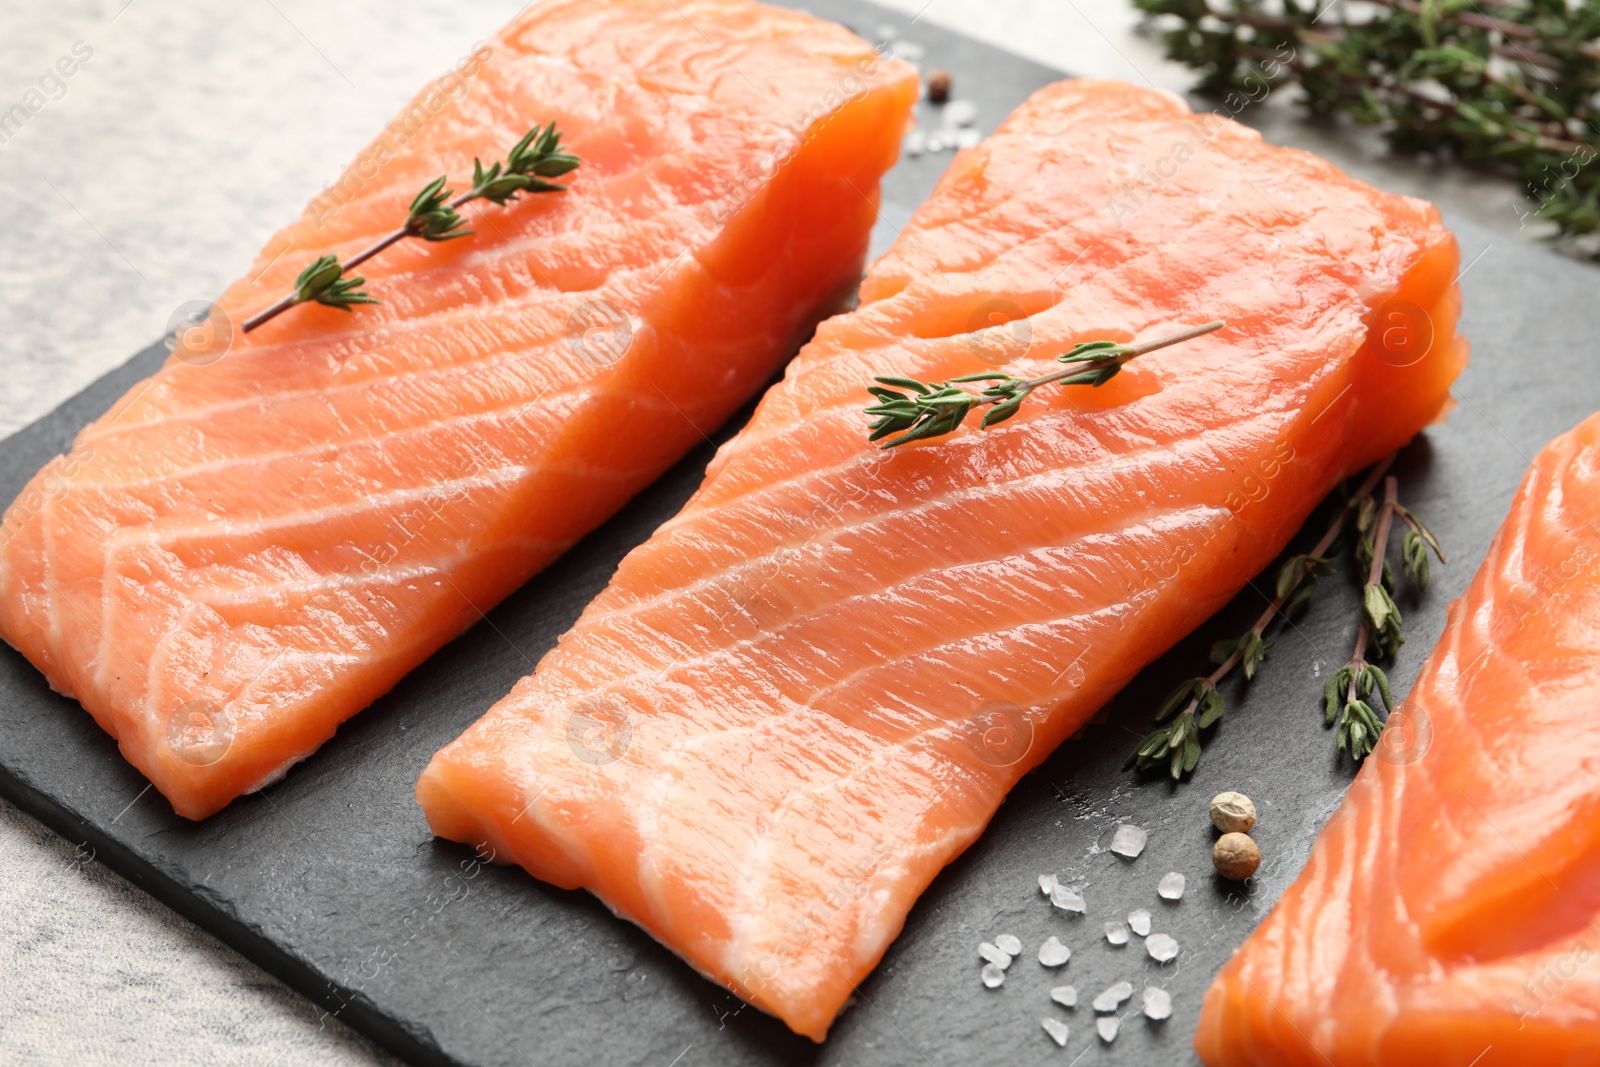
{"type": "Point", "coordinates": [1196, 704]}
{"type": "Point", "coordinates": [1513, 84]}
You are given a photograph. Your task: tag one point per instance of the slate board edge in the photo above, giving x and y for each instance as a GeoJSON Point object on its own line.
{"type": "Point", "coordinates": [416, 1043]}
{"type": "Point", "coordinates": [352, 1008]}
{"type": "Point", "coordinates": [413, 1043]}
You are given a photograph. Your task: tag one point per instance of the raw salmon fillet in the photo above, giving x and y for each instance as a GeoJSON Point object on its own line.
{"type": "Point", "coordinates": [242, 554]}
{"type": "Point", "coordinates": [1450, 911]}
{"type": "Point", "coordinates": [810, 690]}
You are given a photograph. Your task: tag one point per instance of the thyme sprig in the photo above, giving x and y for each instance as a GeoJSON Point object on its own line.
{"type": "Point", "coordinates": [1196, 703]}
{"type": "Point", "coordinates": [433, 216]}
{"type": "Point", "coordinates": [932, 409]}
{"type": "Point", "coordinates": [1509, 83]}
{"type": "Point", "coordinates": [1177, 745]}
{"type": "Point", "coordinates": [1381, 624]}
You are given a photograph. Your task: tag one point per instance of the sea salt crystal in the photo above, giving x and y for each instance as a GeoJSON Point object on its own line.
{"type": "Point", "coordinates": [1157, 1003]}
{"type": "Point", "coordinates": [1161, 947]}
{"type": "Point", "coordinates": [1047, 882]}
{"type": "Point", "coordinates": [1056, 1029]}
{"type": "Point", "coordinates": [993, 976]}
{"type": "Point", "coordinates": [1065, 995]}
{"type": "Point", "coordinates": [959, 113]}
{"type": "Point", "coordinates": [1053, 953]}
{"type": "Point", "coordinates": [967, 138]}
{"type": "Point", "coordinates": [1010, 944]}
{"type": "Point", "coordinates": [1108, 1025]}
{"type": "Point", "coordinates": [1113, 997]}
{"type": "Point", "coordinates": [916, 142]}
{"type": "Point", "coordinates": [996, 955]}
{"type": "Point", "coordinates": [1067, 899]}
{"type": "Point", "coordinates": [1117, 932]}
{"type": "Point", "coordinates": [1140, 922]}
{"type": "Point", "coordinates": [1171, 886]}
{"type": "Point", "coordinates": [936, 143]}
{"type": "Point", "coordinates": [1128, 840]}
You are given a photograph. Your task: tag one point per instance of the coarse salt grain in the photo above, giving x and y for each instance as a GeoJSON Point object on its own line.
{"type": "Point", "coordinates": [1053, 953]}
{"type": "Point", "coordinates": [1113, 997]}
{"type": "Point", "coordinates": [1067, 899]}
{"type": "Point", "coordinates": [1161, 947]}
{"type": "Point", "coordinates": [1128, 840]}
{"type": "Point", "coordinates": [995, 955]}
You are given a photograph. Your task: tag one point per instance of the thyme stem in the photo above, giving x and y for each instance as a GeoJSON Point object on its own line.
{"type": "Point", "coordinates": [1335, 528]}
{"type": "Point", "coordinates": [1132, 352]}
{"type": "Point", "coordinates": [291, 299]}
{"type": "Point", "coordinates": [1358, 659]}
{"type": "Point", "coordinates": [929, 409]}
{"type": "Point", "coordinates": [537, 157]}
{"type": "Point", "coordinates": [1196, 704]}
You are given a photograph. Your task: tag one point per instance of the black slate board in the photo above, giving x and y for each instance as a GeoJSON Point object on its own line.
{"type": "Point", "coordinates": [331, 880]}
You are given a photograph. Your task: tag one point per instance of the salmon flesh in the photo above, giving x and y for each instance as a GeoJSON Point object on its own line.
{"type": "Point", "coordinates": [811, 690]}
{"type": "Point", "coordinates": [1450, 912]}
{"type": "Point", "coordinates": [263, 537]}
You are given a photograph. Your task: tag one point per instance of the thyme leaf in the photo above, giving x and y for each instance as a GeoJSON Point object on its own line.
{"type": "Point", "coordinates": [917, 410]}
{"type": "Point", "coordinates": [1196, 704]}
{"type": "Point", "coordinates": [433, 216]}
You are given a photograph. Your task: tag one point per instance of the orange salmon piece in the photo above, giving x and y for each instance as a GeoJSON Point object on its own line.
{"type": "Point", "coordinates": [810, 690]}
{"type": "Point", "coordinates": [243, 554]}
{"type": "Point", "coordinates": [1450, 912]}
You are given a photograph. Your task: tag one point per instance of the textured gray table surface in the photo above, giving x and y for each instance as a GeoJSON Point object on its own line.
{"type": "Point", "coordinates": [148, 178]}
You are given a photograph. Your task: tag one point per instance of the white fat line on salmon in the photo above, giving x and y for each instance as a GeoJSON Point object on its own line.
{"type": "Point", "coordinates": [51, 484]}
{"type": "Point", "coordinates": [804, 928]}
{"type": "Point", "coordinates": [1151, 178]}
{"type": "Point", "coordinates": [1252, 488]}
{"type": "Point", "coordinates": [1526, 598]}
{"type": "Point", "coordinates": [851, 87]}
{"type": "Point", "coordinates": [397, 133]}
{"type": "Point", "coordinates": [746, 588]}
{"type": "Point", "coordinates": [468, 473]}
{"type": "Point", "coordinates": [52, 85]}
